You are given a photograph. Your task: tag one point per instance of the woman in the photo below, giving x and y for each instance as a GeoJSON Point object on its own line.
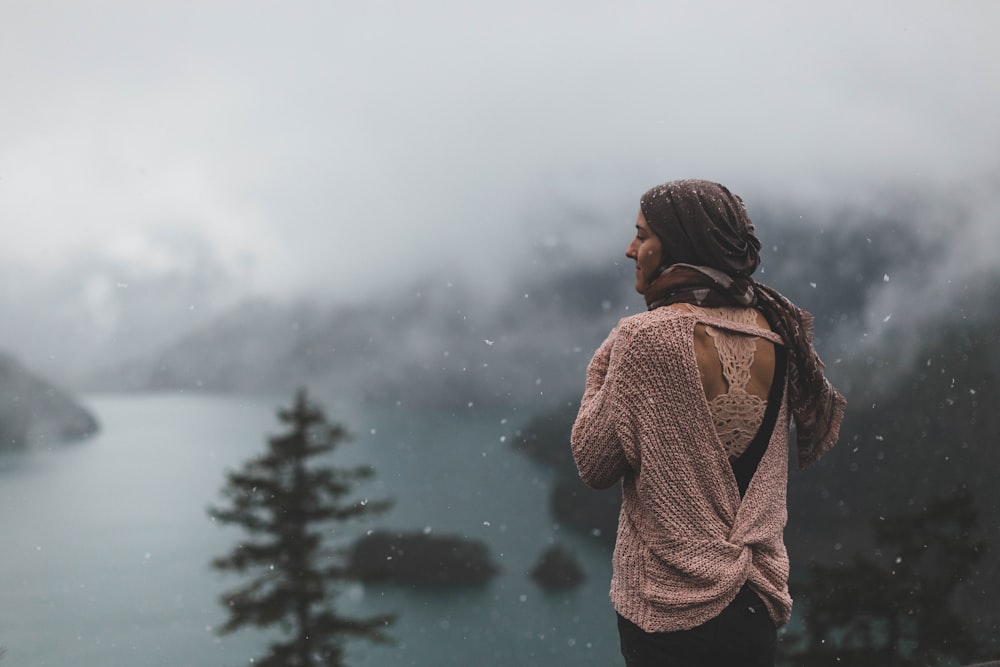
{"type": "Point", "coordinates": [689, 405]}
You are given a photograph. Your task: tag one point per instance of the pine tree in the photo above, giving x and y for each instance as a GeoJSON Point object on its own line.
{"type": "Point", "coordinates": [896, 609]}
{"type": "Point", "coordinates": [285, 500]}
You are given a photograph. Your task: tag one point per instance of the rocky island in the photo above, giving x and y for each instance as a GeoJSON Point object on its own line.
{"type": "Point", "coordinates": [557, 569]}
{"type": "Point", "coordinates": [421, 559]}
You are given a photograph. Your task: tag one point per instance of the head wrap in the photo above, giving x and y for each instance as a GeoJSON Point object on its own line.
{"type": "Point", "coordinates": [710, 249]}
{"type": "Point", "coordinates": [702, 223]}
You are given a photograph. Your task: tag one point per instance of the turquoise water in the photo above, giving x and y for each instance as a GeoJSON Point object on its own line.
{"type": "Point", "coordinates": [107, 542]}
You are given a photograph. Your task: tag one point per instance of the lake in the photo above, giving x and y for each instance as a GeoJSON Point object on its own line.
{"type": "Point", "coordinates": [107, 542]}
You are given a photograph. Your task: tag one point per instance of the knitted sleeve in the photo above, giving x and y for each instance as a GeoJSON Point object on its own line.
{"type": "Point", "coordinates": [599, 438]}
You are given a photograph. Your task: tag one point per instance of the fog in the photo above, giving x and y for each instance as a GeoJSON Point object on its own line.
{"type": "Point", "coordinates": [197, 154]}
{"type": "Point", "coordinates": [420, 211]}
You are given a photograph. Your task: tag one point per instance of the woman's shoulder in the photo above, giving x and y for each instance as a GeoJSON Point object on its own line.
{"type": "Point", "coordinates": [657, 343]}
{"type": "Point", "coordinates": [666, 317]}
{"type": "Point", "coordinates": [664, 327]}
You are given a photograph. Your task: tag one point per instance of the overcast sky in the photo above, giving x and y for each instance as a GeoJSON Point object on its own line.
{"type": "Point", "coordinates": [317, 144]}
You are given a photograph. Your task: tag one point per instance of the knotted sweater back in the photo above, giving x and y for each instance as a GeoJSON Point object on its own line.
{"type": "Point", "coordinates": [687, 541]}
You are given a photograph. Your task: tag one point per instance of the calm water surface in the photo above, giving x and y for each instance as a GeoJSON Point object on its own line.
{"type": "Point", "coordinates": [106, 543]}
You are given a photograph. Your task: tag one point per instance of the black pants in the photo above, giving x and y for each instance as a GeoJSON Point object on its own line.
{"type": "Point", "coordinates": [743, 635]}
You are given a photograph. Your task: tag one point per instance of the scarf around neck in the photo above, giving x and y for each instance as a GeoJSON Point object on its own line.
{"type": "Point", "coordinates": [817, 407]}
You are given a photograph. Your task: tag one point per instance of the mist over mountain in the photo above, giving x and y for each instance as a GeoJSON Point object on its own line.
{"type": "Point", "coordinates": [883, 285]}
{"type": "Point", "coordinates": [64, 321]}
{"type": "Point", "coordinates": [264, 155]}
{"type": "Point", "coordinates": [431, 344]}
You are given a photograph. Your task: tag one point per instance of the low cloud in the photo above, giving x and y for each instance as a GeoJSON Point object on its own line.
{"type": "Point", "coordinates": [342, 151]}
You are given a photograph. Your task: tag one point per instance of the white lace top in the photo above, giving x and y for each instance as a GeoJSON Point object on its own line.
{"type": "Point", "coordinates": [738, 414]}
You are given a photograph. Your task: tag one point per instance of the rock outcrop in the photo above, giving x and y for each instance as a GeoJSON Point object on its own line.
{"type": "Point", "coordinates": [34, 411]}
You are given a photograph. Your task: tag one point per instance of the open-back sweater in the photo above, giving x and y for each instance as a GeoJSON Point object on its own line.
{"type": "Point", "coordinates": [687, 541]}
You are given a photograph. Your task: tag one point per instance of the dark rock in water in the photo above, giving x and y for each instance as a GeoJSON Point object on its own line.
{"type": "Point", "coordinates": [421, 559]}
{"type": "Point", "coordinates": [545, 438]}
{"type": "Point", "coordinates": [557, 569]}
{"type": "Point", "coordinates": [32, 410]}
{"type": "Point", "coordinates": [578, 506]}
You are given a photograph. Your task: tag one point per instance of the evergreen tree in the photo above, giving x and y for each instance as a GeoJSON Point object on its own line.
{"type": "Point", "coordinates": [895, 609]}
{"type": "Point", "coordinates": [285, 501]}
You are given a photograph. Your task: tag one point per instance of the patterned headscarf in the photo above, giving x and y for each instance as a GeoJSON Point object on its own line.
{"type": "Point", "coordinates": [702, 223]}
{"type": "Point", "coordinates": [710, 250]}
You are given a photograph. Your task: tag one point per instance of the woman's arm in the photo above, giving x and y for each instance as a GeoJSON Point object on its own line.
{"type": "Point", "coordinates": [595, 440]}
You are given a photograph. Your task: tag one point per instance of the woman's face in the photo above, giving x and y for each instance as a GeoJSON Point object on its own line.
{"type": "Point", "coordinates": [645, 250]}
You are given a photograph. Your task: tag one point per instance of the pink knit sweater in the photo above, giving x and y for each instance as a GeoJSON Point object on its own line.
{"type": "Point", "coordinates": [686, 540]}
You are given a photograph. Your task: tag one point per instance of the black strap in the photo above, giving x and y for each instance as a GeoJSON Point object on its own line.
{"type": "Point", "coordinates": [746, 464]}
